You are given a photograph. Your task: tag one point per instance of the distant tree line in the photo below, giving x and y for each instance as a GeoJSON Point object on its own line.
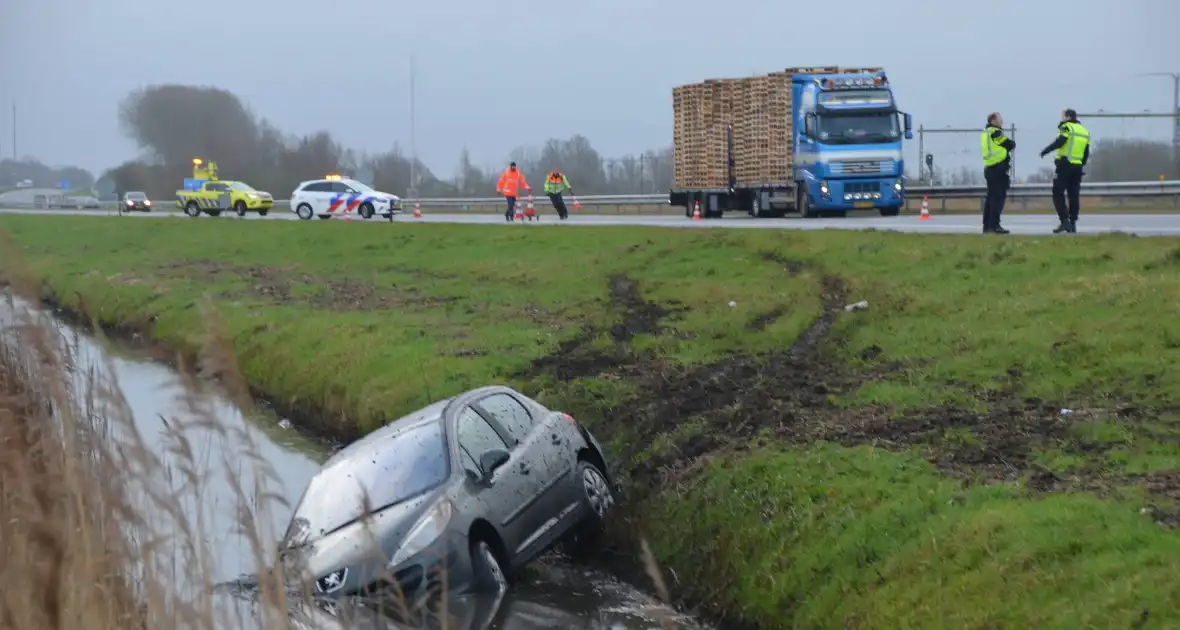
{"type": "Point", "coordinates": [172, 124]}
{"type": "Point", "coordinates": [12, 172]}
{"type": "Point", "coordinates": [1111, 160]}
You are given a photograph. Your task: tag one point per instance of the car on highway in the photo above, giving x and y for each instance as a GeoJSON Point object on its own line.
{"type": "Point", "coordinates": [135, 200]}
{"type": "Point", "coordinates": [463, 493]}
{"type": "Point", "coordinates": [336, 196]}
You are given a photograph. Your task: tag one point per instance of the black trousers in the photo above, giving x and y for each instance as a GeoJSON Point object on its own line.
{"type": "Point", "coordinates": [511, 207]}
{"type": "Point", "coordinates": [998, 181]}
{"type": "Point", "coordinates": [559, 205]}
{"type": "Point", "coordinates": [1067, 187]}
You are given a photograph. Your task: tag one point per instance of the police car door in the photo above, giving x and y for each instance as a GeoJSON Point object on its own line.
{"type": "Point", "coordinates": [222, 198]}
{"type": "Point", "coordinates": [342, 197]}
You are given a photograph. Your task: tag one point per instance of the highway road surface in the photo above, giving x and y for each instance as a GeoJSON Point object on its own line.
{"type": "Point", "coordinates": [1140, 224]}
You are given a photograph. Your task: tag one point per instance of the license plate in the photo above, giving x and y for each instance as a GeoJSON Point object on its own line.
{"type": "Point", "coordinates": [863, 204]}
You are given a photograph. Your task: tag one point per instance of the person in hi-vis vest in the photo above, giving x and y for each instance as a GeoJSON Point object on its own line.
{"type": "Point", "coordinates": [997, 164]}
{"type": "Point", "coordinates": [1073, 152]}
{"type": "Point", "coordinates": [555, 185]}
{"type": "Point", "coordinates": [511, 180]}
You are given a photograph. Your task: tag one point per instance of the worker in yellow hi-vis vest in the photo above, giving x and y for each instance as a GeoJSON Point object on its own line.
{"type": "Point", "coordinates": [555, 185]}
{"type": "Point", "coordinates": [1073, 152]}
{"type": "Point", "coordinates": [997, 164]}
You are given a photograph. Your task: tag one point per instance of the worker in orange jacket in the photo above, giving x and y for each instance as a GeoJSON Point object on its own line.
{"type": "Point", "coordinates": [509, 185]}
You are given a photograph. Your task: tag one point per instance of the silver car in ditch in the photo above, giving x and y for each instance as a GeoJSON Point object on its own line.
{"type": "Point", "coordinates": [462, 494]}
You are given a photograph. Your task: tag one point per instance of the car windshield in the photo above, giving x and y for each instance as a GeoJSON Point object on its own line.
{"type": "Point", "coordinates": [359, 187]}
{"type": "Point", "coordinates": [858, 128]}
{"type": "Point", "coordinates": [136, 195]}
{"type": "Point", "coordinates": [242, 187]}
{"type": "Point", "coordinates": [389, 470]}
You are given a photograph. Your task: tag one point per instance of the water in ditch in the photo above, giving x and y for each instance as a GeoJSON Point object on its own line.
{"type": "Point", "coordinates": [244, 449]}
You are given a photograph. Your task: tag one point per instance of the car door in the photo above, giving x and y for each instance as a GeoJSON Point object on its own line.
{"type": "Point", "coordinates": [344, 198]}
{"type": "Point", "coordinates": [505, 494]}
{"type": "Point", "coordinates": [220, 194]}
{"type": "Point", "coordinates": [539, 444]}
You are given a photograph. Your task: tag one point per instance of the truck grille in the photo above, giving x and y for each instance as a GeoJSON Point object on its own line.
{"type": "Point", "coordinates": [862, 187]}
{"type": "Point", "coordinates": [861, 167]}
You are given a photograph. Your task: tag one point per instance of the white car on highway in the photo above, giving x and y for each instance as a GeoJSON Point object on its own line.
{"type": "Point", "coordinates": [337, 196]}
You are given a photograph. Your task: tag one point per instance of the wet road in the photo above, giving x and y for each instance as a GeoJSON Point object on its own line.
{"type": "Point", "coordinates": [554, 595]}
{"type": "Point", "coordinates": [1141, 224]}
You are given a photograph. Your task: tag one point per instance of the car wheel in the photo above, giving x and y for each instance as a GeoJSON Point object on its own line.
{"type": "Point", "coordinates": [366, 211]}
{"type": "Point", "coordinates": [240, 208]}
{"type": "Point", "coordinates": [263, 212]}
{"type": "Point", "coordinates": [488, 571]}
{"type": "Point", "coordinates": [303, 212]}
{"type": "Point", "coordinates": [192, 209]}
{"type": "Point", "coordinates": [596, 492]}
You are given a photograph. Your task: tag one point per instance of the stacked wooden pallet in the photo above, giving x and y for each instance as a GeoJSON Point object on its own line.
{"type": "Point", "coordinates": [758, 112]}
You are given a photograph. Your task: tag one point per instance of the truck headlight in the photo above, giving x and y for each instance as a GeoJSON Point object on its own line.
{"type": "Point", "coordinates": [897, 186]}
{"type": "Point", "coordinates": [823, 188]}
{"type": "Point", "coordinates": [424, 533]}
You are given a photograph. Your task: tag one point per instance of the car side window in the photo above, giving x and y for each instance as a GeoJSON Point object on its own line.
{"type": "Point", "coordinates": [341, 187]}
{"type": "Point", "coordinates": [511, 415]}
{"type": "Point", "coordinates": [476, 436]}
{"type": "Point", "coordinates": [316, 187]}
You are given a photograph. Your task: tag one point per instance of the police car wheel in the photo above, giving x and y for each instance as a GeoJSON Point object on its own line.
{"type": "Point", "coordinates": [303, 212]}
{"type": "Point", "coordinates": [240, 208]}
{"type": "Point", "coordinates": [366, 211]}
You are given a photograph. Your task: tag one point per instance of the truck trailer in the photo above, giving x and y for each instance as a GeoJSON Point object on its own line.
{"type": "Point", "coordinates": [817, 141]}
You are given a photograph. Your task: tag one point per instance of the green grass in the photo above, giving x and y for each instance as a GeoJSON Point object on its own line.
{"type": "Point", "coordinates": [796, 533]}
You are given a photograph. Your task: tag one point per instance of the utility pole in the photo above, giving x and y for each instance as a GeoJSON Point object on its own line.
{"type": "Point", "coordinates": [413, 191]}
{"type": "Point", "coordinates": [14, 131]}
{"type": "Point", "coordinates": [1175, 76]}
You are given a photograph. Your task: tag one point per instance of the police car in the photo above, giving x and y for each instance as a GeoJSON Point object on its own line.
{"type": "Point", "coordinates": [336, 196]}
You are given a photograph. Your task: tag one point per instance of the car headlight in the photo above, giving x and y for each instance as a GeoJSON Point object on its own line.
{"type": "Point", "coordinates": [252, 195]}
{"type": "Point", "coordinates": [425, 532]}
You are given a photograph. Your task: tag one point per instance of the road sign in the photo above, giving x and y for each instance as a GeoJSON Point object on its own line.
{"type": "Point", "coordinates": [365, 176]}
{"type": "Point", "coordinates": [64, 184]}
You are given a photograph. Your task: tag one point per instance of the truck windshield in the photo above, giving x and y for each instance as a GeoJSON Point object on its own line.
{"type": "Point", "coordinates": [859, 128]}
{"type": "Point", "coordinates": [242, 187]}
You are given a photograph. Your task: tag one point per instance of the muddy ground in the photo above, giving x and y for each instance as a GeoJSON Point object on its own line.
{"type": "Point", "coordinates": [786, 394]}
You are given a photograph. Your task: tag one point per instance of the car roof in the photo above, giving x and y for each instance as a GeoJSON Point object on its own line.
{"type": "Point", "coordinates": [435, 412]}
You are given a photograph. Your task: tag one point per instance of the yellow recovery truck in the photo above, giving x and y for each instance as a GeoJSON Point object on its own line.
{"type": "Point", "coordinates": [203, 192]}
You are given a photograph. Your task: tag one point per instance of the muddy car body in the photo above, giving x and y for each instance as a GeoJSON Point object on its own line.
{"type": "Point", "coordinates": [462, 493]}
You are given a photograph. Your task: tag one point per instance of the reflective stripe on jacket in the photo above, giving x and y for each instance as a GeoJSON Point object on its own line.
{"type": "Point", "coordinates": [558, 185]}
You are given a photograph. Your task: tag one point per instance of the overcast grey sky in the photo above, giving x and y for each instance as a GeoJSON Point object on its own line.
{"type": "Point", "coordinates": [494, 75]}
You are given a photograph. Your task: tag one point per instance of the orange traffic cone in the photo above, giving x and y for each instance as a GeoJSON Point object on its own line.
{"type": "Point", "coordinates": [530, 211]}
{"type": "Point", "coordinates": [696, 211]}
{"type": "Point", "coordinates": [925, 216]}
{"type": "Point", "coordinates": [418, 209]}
{"type": "Point", "coordinates": [519, 213]}
{"type": "Point", "coordinates": [577, 204]}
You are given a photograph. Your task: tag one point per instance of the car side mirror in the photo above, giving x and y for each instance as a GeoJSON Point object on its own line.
{"type": "Point", "coordinates": [491, 460]}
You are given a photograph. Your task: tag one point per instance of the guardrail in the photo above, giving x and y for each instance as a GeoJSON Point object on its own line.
{"type": "Point", "coordinates": [658, 203]}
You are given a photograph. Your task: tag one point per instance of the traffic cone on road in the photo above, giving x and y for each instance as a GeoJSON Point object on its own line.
{"type": "Point", "coordinates": [696, 211]}
{"type": "Point", "coordinates": [418, 209]}
{"type": "Point", "coordinates": [519, 213]}
{"type": "Point", "coordinates": [925, 216]}
{"type": "Point", "coordinates": [577, 204]}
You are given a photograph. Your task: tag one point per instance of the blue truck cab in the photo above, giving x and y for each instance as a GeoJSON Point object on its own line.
{"type": "Point", "coordinates": [847, 144]}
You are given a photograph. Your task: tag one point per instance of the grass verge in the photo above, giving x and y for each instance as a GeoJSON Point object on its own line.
{"type": "Point", "coordinates": [993, 440]}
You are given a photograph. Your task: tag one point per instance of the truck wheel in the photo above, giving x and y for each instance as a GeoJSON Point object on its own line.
{"type": "Point", "coordinates": [303, 212]}
{"type": "Point", "coordinates": [192, 209]}
{"type": "Point", "coordinates": [890, 212]}
{"type": "Point", "coordinates": [366, 211]}
{"type": "Point", "coordinates": [240, 208]}
{"type": "Point", "coordinates": [804, 204]}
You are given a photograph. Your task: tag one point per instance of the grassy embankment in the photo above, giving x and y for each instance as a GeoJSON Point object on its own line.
{"type": "Point", "coordinates": [796, 465]}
